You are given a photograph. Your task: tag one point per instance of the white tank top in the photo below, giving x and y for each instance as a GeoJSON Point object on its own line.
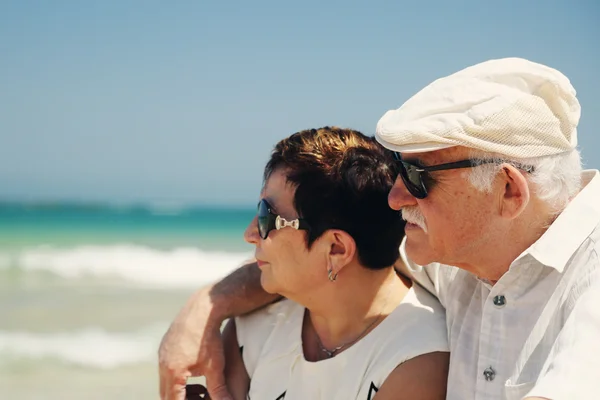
{"type": "Point", "coordinates": [271, 345]}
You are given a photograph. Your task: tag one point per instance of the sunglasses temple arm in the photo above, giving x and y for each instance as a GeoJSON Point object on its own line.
{"type": "Point", "coordinates": [303, 225]}
{"type": "Point", "coordinates": [456, 165]}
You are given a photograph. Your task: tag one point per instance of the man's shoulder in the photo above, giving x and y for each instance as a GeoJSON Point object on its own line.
{"type": "Point", "coordinates": [593, 241]}
{"type": "Point", "coordinates": [570, 371]}
{"type": "Point", "coordinates": [584, 262]}
{"type": "Point", "coordinates": [583, 269]}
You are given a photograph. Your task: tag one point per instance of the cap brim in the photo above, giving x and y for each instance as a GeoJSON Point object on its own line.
{"type": "Point", "coordinates": [415, 147]}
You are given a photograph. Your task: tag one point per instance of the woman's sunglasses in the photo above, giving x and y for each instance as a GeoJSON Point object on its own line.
{"type": "Point", "coordinates": [268, 220]}
{"type": "Point", "coordinates": [417, 179]}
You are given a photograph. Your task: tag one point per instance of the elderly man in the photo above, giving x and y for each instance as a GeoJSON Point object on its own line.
{"type": "Point", "coordinates": [505, 223]}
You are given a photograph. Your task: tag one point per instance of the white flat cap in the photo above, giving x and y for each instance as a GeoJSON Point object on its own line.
{"type": "Point", "coordinates": [510, 106]}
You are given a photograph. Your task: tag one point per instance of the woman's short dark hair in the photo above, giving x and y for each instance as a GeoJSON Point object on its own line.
{"type": "Point", "coordinates": [342, 180]}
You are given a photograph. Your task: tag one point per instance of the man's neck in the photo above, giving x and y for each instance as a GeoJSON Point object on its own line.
{"type": "Point", "coordinates": [495, 260]}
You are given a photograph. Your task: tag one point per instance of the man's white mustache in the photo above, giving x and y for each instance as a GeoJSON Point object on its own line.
{"type": "Point", "coordinates": [413, 215]}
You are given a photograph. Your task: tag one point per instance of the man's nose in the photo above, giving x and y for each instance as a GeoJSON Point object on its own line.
{"type": "Point", "coordinates": [399, 196]}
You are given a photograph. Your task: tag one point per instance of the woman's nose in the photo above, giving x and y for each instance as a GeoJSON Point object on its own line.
{"type": "Point", "coordinates": [251, 233]}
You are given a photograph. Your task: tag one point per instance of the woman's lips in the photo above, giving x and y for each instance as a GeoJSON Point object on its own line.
{"type": "Point", "coordinates": [260, 263]}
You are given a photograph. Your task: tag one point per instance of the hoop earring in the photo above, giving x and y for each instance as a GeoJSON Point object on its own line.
{"type": "Point", "coordinates": [331, 275]}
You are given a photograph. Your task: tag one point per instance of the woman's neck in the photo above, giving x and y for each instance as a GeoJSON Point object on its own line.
{"type": "Point", "coordinates": [345, 311]}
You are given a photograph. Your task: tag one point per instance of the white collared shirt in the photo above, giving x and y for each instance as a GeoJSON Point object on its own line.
{"type": "Point", "coordinates": [536, 332]}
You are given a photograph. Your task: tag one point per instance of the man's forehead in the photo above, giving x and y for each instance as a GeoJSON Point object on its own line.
{"type": "Point", "coordinates": [438, 156]}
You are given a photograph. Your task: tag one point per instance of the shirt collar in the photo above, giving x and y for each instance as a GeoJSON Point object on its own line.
{"type": "Point", "coordinates": [570, 229]}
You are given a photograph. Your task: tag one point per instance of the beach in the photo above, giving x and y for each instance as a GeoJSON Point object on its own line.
{"type": "Point", "coordinates": [86, 292]}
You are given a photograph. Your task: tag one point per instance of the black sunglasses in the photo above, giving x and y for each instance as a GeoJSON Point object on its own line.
{"type": "Point", "coordinates": [268, 220]}
{"type": "Point", "coordinates": [416, 177]}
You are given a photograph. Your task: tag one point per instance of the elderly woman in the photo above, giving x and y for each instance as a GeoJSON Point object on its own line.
{"type": "Point", "coordinates": [323, 234]}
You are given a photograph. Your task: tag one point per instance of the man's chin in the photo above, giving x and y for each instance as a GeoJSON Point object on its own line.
{"type": "Point", "coordinates": [418, 252]}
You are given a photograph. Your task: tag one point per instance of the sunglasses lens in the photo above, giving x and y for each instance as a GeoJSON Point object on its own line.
{"type": "Point", "coordinates": [263, 219]}
{"type": "Point", "coordinates": [412, 178]}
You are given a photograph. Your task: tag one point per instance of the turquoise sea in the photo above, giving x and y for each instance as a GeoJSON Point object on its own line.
{"type": "Point", "coordinates": [87, 291]}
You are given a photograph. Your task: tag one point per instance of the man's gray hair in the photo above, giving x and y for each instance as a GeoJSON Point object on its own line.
{"type": "Point", "coordinates": [555, 180]}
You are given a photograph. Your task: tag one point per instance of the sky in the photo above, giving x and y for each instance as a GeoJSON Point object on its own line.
{"type": "Point", "coordinates": [181, 102]}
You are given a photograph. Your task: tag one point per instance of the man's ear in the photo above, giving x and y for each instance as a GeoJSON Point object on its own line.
{"type": "Point", "coordinates": [515, 194]}
{"type": "Point", "coordinates": [341, 249]}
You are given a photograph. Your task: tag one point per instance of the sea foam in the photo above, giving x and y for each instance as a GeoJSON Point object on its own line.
{"type": "Point", "coordinates": [92, 348]}
{"type": "Point", "coordinates": [177, 268]}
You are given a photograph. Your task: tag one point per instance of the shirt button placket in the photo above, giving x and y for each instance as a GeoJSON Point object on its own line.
{"type": "Point", "coordinates": [488, 372]}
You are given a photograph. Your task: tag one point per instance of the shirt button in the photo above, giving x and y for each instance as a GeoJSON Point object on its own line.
{"type": "Point", "coordinates": [499, 301]}
{"type": "Point", "coordinates": [489, 374]}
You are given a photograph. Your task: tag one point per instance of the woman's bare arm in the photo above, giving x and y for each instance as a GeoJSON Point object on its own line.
{"type": "Point", "coordinates": [236, 376]}
{"type": "Point", "coordinates": [424, 377]}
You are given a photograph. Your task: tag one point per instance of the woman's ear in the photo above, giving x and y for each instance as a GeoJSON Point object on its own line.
{"type": "Point", "coordinates": [515, 194]}
{"type": "Point", "coordinates": [341, 251]}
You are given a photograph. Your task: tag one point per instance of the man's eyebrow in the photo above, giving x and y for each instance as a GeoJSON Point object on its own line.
{"type": "Point", "coordinates": [414, 161]}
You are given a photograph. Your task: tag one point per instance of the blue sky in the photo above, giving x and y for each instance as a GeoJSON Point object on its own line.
{"type": "Point", "coordinates": [181, 102]}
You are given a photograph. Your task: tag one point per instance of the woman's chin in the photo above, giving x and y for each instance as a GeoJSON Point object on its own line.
{"type": "Point", "coordinates": [267, 285]}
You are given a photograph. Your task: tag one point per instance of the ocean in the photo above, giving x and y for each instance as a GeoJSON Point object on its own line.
{"type": "Point", "coordinates": [87, 291]}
